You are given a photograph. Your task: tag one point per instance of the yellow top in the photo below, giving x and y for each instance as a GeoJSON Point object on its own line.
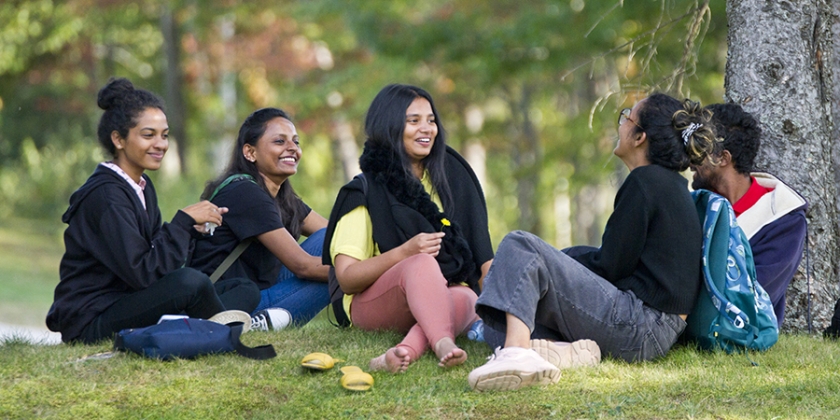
{"type": "Point", "coordinates": [353, 234]}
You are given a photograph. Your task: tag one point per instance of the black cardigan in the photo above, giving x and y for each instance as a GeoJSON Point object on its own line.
{"type": "Point", "coordinates": [113, 247]}
{"type": "Point", "coordinates": [386, 190]}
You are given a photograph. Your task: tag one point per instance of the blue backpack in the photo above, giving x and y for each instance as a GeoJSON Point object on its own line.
{"type": "Point", "coordinates": [187, 338]}
{"type": "Point", "coordinates": [733, 312]}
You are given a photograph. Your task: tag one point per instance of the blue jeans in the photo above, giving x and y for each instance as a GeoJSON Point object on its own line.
{"type": "Point", "coordinates": [302, 298]}
{"type": "Point", "coordinates": [558, 298]}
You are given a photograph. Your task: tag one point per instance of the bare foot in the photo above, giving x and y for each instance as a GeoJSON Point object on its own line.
{"type": "Point", "coordinates": [395, 360]}
{"type": "Point", "coordinates": [449, 353]}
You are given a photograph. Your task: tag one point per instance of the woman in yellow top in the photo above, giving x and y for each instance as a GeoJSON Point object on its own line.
{"type": "Point", "coordinates": [408, 238]}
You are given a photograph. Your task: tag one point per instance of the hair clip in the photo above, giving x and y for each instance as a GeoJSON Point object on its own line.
{"type": "Point", "coordinates": [686, 134]}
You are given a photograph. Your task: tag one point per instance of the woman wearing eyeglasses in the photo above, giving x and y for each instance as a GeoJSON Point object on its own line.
{"type": "Point", "coordinates": [628, 298]}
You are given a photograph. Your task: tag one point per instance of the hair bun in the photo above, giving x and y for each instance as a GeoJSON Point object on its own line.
{"type": "Point", "coordinates": [693, 123]}
{"type": "Point", "coordinates": [113, 93]}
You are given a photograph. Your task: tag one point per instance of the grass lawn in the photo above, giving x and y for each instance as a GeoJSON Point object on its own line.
{"type": "Point", "coordinates": [798, 378]}
{"type": "Point", "coordinates": [29, 257]}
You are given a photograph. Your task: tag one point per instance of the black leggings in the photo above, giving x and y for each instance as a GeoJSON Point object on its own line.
{"type": "Point", "coordinates": [185, 290]}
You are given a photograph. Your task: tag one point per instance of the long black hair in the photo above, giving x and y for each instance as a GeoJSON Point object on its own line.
{"type": "Point", "coordinates": [679, 133]}
{"type": "Point", "coordinates": [385, 124]}
{"type": "Point", "coordinates": [122, 103]}
{"type": "Point", "coordinates": [288, 202]}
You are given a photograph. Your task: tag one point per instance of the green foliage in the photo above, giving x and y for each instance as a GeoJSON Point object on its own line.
{"type": "Point", "coordinates": [546, 79]}
{"type": "Point", "coordinates": [39, 184]}
{"type": "Point", "coordinates": [29, 29]}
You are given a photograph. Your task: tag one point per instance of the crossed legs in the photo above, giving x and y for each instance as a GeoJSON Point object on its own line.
{"type": "Point", "coordinates": [413, 297]}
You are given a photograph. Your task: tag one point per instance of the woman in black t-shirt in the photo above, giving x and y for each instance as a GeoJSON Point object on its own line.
{"type": "Point", "coordinates": [262, 205]}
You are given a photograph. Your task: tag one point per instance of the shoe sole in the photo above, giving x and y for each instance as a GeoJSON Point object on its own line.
{"type": "Point", "coordinates": [232, 316]}
{"type": "Point", "coordinates": [576, 354]}
{"type": "Point", "coordinates": [513, 380]}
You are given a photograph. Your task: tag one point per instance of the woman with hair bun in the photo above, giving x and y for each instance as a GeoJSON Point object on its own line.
{"type": "Point", "coordinates": [122, 267]}
{"type": "Point", "coordinates": [554, 309]}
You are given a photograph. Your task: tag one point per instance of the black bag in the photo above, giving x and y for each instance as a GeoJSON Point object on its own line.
{"type": "Point", "coordinates": [187, 338]}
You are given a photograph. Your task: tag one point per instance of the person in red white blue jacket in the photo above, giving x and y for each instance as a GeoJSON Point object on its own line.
{"type": "Point", "coordinates": [770, 212]}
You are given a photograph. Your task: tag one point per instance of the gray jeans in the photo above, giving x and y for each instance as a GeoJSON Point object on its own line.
{"type": "Point", "coordinates": [561, 299]}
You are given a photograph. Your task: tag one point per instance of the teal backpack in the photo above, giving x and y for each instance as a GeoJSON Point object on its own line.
{"type": "Point", "coordinates": [733, 312]}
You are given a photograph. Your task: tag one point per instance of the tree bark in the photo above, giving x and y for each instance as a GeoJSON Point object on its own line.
{"type": "Point", "coordinates": [175, 108]}
{"type": "Point", "coordinates": [833, 61]}
{"type": "Point", "coordinates": [347, 151]}
{"type": "Point", "coordinates": [779, 70]}
{"type": "Point", "coordinates": [527, 156]}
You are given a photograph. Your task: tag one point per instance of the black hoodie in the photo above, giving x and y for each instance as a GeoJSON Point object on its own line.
{"type": "Point", "coordinates": [113, 247]}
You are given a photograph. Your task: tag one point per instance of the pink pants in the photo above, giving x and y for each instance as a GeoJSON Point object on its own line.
{"type": "Point", "coordinates": [413, 297]}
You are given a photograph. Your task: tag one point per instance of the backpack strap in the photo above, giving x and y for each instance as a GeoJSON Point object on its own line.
{"type": "Point", "coordinates": [228, 180]}
{"type": "Point", "coordinates": [257, 353]}
{"type": "Point", "coordinates": [240, 248]}
{"type": "Point", "coordinates": [228, 261]}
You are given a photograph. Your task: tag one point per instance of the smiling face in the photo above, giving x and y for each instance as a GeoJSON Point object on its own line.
{"type": "Point", "coordinates": [632, 141]}
{"type": "Point", "coordinates": [277, 153]}
{"type": "Point", "coordinates": [627, 132]}
{"type": "Point", "coordinates": [419, 132]}
{"type": "Point", "coordinates": [144, 146]}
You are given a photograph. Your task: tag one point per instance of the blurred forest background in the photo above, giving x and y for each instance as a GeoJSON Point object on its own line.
{"type": "Point", "coordinates": [529, 90]}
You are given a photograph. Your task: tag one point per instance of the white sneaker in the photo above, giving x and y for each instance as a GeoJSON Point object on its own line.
{"type": "Point", "coordinates": [271, 319]}
{"type": "Point", "coordinates": [233, 316]}
{"type": "Point", "coordinates": [513, 368]}
{"type": "Point", "coordinates": [568, 355]}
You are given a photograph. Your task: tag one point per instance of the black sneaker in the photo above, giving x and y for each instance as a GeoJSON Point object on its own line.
{"type": "Point", "coordinates": [271, 319]}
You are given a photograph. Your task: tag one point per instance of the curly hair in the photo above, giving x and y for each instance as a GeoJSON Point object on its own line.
{"type": "Point", "coordinates": [122, 103]}
{"type": "Point", "coordinates": [739, 132]}
{"type": "Point", "coordinates": [679, 133]}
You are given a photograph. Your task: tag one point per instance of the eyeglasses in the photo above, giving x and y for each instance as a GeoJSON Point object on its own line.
{"type": "Point", "coordinates": [624, 115]}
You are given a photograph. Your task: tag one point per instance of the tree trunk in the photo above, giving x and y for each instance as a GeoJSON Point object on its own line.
{"type": "Point", "coordinates": [833, 63]}
{"type": "Point", "coordinates": [175, 109]}
{"type": "Point", "coordinates": [527, 157]}
{"type": "Point", "coordinates": [779, 70]}
{"type": "Point", "coordinates": [226, 26]}
{"type": "Point", "coordinates": [346, 149]}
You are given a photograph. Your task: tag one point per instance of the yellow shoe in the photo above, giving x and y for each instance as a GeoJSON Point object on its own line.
{"type": "Point", "coordinates": [318, 361]}
{"type": "Point", "coordinates": [355, 379]}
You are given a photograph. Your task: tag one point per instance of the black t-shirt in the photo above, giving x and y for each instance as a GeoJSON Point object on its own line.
{"type": "Point", "coordinates": [251, 212]}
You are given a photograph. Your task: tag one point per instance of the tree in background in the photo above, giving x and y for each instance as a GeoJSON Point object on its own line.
{"type": "Point", "coordinates": [503, 71]}
{"type": "Point", "coordinates": [780, 70]}
{"type": "Point", "coordinates": [530, 88]}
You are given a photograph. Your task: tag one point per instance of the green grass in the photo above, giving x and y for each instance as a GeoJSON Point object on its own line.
{"type": "Point", "coordinates": [798, 378]}
{"type": "Point", "coordinates": [29, 257]}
